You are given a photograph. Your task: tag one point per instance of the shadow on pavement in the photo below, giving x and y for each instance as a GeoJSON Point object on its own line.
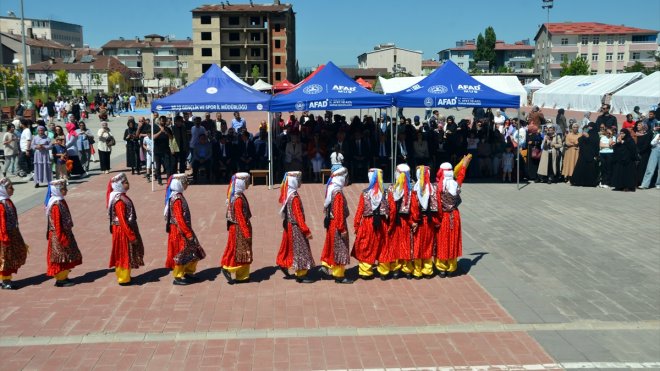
{"type": "Point", "coordinates": [92, 276]}
{"type": "Point", "coordinates": [465, 264]}
{"type": "Point", "coordinates": [209, 274]}
{"type": "Point", "coordinates": [31, 281]}
{"type": "Point", "coordinates": [262, 274]}
{"type": "Point", "coordinates": [153, 275]}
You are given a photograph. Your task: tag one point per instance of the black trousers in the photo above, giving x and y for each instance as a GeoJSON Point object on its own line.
{"type": "Point", "coordinates": [104, 158]}
{"type": "Point", "coordinates": [180, 161]}
{"type": "Point", "coordinates": [164, 160]}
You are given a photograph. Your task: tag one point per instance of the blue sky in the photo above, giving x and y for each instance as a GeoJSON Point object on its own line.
{"type": "Point", "coordinates": [340, 30]}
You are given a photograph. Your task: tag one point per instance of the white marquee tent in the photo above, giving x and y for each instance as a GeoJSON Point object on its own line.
{"type": "Point", "coordinates": [396, 84]}
{"type": "Point", "coordinates": [644, 93]}
{"type": "Point", "coordinates": [505, 84]}
{"type": "Point", "coordinates": [234, 77]}
{"type": "Point", "coordinates": [261, 85]}
{"type": "Point", "coordinates": [582, 93]}
{"type": "Point", "coordinates": [535, 85]}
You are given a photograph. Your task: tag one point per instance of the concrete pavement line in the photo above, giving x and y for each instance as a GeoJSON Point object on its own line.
{"type": "Point", "coordinates": [479, 327]}
{"type": "Point", "coordinates": [526, 367]}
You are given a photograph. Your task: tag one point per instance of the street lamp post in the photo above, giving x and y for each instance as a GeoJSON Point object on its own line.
{"type": "Point", "coordinates": [547, 4]}
{"type": "Point", "coordinates": [16, 62]}
{"type": "Point", "coordinates": [25, 71]}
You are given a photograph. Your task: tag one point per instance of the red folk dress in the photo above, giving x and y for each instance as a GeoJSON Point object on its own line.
{"type": "Point", "coordinates": [127, 247]}
{"type": "Point", "coordinates": [13, 250]}
{"type": "Point", "coordinates": [63, 253]}
{"type": "Point", "coordinates": [294, 249]}
{"type": "Point", "coordinates": [427, 220]}
{"type": "Point", "coordinates": [371, 241]}
{"type": "Point", "coordinates": [238, 251]}
{"type": "Point", "coordinates": [182, 244]}
{"type": "Point", "coordinates": [402, 215]}
{"type": "Point", "coordinates": [449, 236]}
{"type": "Point", "coordinates": [335, 249]}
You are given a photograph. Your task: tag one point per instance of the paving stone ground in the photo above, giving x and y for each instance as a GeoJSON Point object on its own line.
{"type": "Point", "coordinates": [553, 277]}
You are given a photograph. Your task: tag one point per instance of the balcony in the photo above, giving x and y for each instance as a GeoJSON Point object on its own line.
{"type": "Point", "coordinates": [565, 48]}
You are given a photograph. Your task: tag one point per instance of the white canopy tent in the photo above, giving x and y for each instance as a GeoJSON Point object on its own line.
{"type": "Point", "coordinates": [261, 85]}
{"type": "Point", "coordinates": [234, 77]}
{"type": "Point", "coordinates": [396, 84]}
{"type": "Point", "coordinates": [582, 93]}
{"type": "Point", "coordinates": [535, 85]}
{"type": "Point", "coordinates": [505, 84]}
{"type": "Point", "coordinates": [645, 93]}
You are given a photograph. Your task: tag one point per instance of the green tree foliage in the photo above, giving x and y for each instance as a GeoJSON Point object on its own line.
{"type": "Point", "coordinates": [578, 66]}
{"type": "Point", "coordinates": [60, 83]}
{"type": "Point", "coordinates": [486, 46]}
{"type": "Point", "coordinates": [255, 73]}
{"type": "Point", "coordinates": [640, 67]}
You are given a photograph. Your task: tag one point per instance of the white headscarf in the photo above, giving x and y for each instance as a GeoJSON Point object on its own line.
{"type": "Point", "coordinates": [336, 184]}
{"type": "Point", "coordinates": [423, 186]}
{"type": "Point", "coordinates": [175, 186]}
{"type": "Point", "coordinates": [400, 185]}
{"type": "Point", "coordinates": [55, 193]}
{"type": "Point", "coordinates": [117, 187]}
{"type": "Point", "coordinates": [238, 185]}
{"type": "Point", "coordinates": [4, 182]}
{"type": "Point", "coordinates": [448, 182]}
{"type": "Point", "coordinates": [375, 188]}
{"type": "Point", "coordinates": [292, 184]}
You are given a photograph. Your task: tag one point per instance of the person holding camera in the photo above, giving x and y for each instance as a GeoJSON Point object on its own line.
{"type": "Point", "coordinates": [106, 142]}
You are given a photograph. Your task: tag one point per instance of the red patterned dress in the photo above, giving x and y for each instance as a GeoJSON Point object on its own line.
{"type": "Point", "coordinates": [427, 222]}
{"type": "Point", "coordinates": [63, 253]}
{"type": "Point", "coordinates": [402, 216]}
{"type": "Point", "coordinates": [294, 249]}
{"type": "Point", "coordinates": [13, 250]}
{"type": "Point", "coordinates": [371, 231]}
{"type": "Point", "coordinates": [449, 237]}
{"type": "Point", "coordinates": [238, 251]}
{"type": "Point", "coordinates": [182, 244]}
{"type": "Point", "coordinates": [335, 249]}
{"type": "Point", "coordinates": [127, 247]}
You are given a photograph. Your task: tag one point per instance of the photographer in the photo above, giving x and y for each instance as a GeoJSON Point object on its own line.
{"type": "Point", "coordinates": [162, 155]}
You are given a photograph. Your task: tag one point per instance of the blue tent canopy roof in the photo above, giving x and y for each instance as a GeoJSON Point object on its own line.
{"type": "Point", "coordinates": [328, 89]}
{"type": "Point", "coordinates": [450, 86]}
{"type": "Point", "coordinates": [214, 91]}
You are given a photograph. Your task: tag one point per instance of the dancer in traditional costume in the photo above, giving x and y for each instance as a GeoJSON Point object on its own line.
{"type": "Point", "coordinates": [63, 253]}
{"type": "Point", "coordinates": [428, 221]}
{"type": "Point", "coordinates": [402, 222]}
{"type": "Point", "coordinates": [13, 250]}
{"type": "Point", "coordinates": [295, 252]}
{"type": "Point", "coordinates": [127, 247]}
{"type": "Point", "coordinates": [336, 254]}
{"type": "Point", "coordinates": [183, 248]}
{"type": "Point", "coordinates": [238, 252]}
{"type": "Point", "coordinates": [370, 226]}
{"type": "Point", "coordinates": [449, 237]}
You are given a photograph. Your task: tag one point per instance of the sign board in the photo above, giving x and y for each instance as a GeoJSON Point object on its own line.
{"type": "Point", "coordinates": [483, 65]}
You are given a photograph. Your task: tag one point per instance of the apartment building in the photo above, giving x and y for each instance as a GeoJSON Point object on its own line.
{"type": "Point", "coordinates": [249, 39]}
{"type": "Point", "coordinates": [38, 49]}
{"type": "Point", "coordinates": [61, 32]}
{"type": "Point", "coordinates": [159, 61]}
{"type": "Point", "coordinates": [608, 48]}
{"type": "Point", "coordinates": [516, 56]}
{"type": "Point", "coordinates": [398, 61]}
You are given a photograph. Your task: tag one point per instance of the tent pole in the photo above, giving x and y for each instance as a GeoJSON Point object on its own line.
{"type": "Point", "coordinates": [395, 132]}
{"type": "Point", "coordinates": [518, 154]}
{"type": "Point", "coordinates": [270, 151]}
{"type": "Point", "coordinates": [153, 170]}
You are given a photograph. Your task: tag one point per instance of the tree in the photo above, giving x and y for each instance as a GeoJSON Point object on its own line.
{"type": "Point", "coordinates": [486, 46]}
{"type": "Point", "coordinates": [60, 83]}
{"type": "Point", "coordinates": [255, 73]}
{"type": "Point", "coordinates": [116, 78]}
{"type": "Point", "coordinates": [169, 75]}
{"type": "Point", "coordinates": [637, 67]}
{"type": "Point", "coordinates": [578, 66]}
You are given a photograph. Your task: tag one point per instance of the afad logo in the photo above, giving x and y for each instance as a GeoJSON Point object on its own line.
{"type": "Point", "coordinates": [344, 89]}
{"type": "Point", "coordinates": [313, 89]}
{"type": "Point", "coordinates": [437, 89]}
{"type": "Point", "coordinates": [318, 104]}
{"type": "Point", "coordinates": [428, 102]}
{"type": "Point", "coordinates": [469, 88]}
{"type": "Point", "coordinates": [300, 106]}
{"type": "Point", "coordinates": [444, 102]}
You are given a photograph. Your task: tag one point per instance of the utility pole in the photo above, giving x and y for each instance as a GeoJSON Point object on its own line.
{"type": "Point", "coordinates": [25, 71]}
{"type": "Point", "coordinates": [547, 4]}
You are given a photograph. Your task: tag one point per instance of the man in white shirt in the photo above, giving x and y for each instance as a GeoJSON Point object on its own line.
{"type": "Point", "coordinates": [654, 161]}
{"type": "Point", "coordinates": [25, 157]}
{"type": "Point", "coordinates": [195, 132]}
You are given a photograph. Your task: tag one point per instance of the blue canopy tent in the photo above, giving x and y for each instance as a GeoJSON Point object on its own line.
{"type": "Point", "coordinates": [450, 86]}
{"type": "Point", "coordinates": [215, 91]}
{"type": "Point", "coordinates": [328, 89]}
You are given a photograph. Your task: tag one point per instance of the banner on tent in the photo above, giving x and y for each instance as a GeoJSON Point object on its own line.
{"type": "Point", "coordinates": [212, 107]}
{"type": "Point", "coordinates": [329, 103]}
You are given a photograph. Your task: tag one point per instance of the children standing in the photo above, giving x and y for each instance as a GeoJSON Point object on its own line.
{"type": "Point", "coordinates": [507, 163]}
{"type": "Point", "coordinates": [59, 155]}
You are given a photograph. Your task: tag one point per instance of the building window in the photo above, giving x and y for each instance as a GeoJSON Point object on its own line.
{"type": "Point", "coordinates": [608, 56]}
{"type": "Point", "coordinates": [234, 36]}
{"type": "Point", "coordinates": [255, 36]}
{"type": "Point", "coordinates": [234, 21]}
{"type": "Point", "coordinates": [255, 52]}
{"type": "Point", "coordinates": [594, 57]}
{"type": "Point", "coordinates": [207, 52]}
{"type": "Point", "coordinates": [205, 67]}
{"type": "Point", "coordinates": [278, 27]}
{"type": "Point", "coordinates": [594, 72]}
{"type": "Point", "coordinates": [235, 68]}
{"type": "Point", "coordinates": [278, 60]}
{"type": "Point", "coordinates": [564, 41]}
{"type": "Point", "coordinates": [619, 71]}
{"type": "Point", "coordinates": [584, 56]}
{"type": "Point", "coordinates": [622, 40]}
{"type": "Point", "coordinates": [619, 56]}
{"type": "Point", "coordinates": [206, 36]}
{"type": "Point", "coordinates": [234, 52]}
{"type": "Point", "coordinates": [585, 40]}
{"type": "Point", "coordinates": [278, 44]}
{"type": "Point", "coordinates": [636, 56]}
{"type": "Point", "coordinates": [596, 40]}
{"type": "Point", "coordinates": [205, 19]}
{"type": "Point", "coordinates": [278, 76]}
{"type": "Point", "coordinates": [610, 39]}
{"type": "Point", "coordinates": [563, 57]}
{"type": "Point", "coordinates": [608, 71]}
{"type": "Point", "coordinates": [255, 21]}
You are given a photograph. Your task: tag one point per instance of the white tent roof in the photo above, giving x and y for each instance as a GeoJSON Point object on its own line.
{"type": "Point", "coordinates": [582, 93]}
{"type": "Point", "coordinates": [398, 83]}
{"type": "Point", "coordinates": [262, 85]}
{"type": "Point", "coordinates": [535, 85]}
{"type": "Point", "coordinates": [234, 77]}
{"type": "Point", "coordinates": [505, 84]}
{"type": "Point", "coordinates": [645, 93]}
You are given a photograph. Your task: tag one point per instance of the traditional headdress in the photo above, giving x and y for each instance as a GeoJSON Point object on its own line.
{"type": "Point", "coordinates": [402, 181]}
{"type": "Point", "coordinates": [290, 183]}
{"type": "Point", "coordinates": [423, 185]}
{"type": "Point", "coordinates": [375, 187]}
{"type": "Point", "coordinates": [4, 183]}
{"type": "Point", "coordinates": [175, 184]}
{"type": "Point", "coordinates": [445, 179]}
{"type": "Point", "coordinates": [54, 193]}
{"type": "Point", "coordinates": [336, 182]}
{"type": "Point", "coordinates": [115, 187]}
{"type": "Point", "coordinates": [238, 184]}
{"type": "Point", "coordinates": [336, 161]}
